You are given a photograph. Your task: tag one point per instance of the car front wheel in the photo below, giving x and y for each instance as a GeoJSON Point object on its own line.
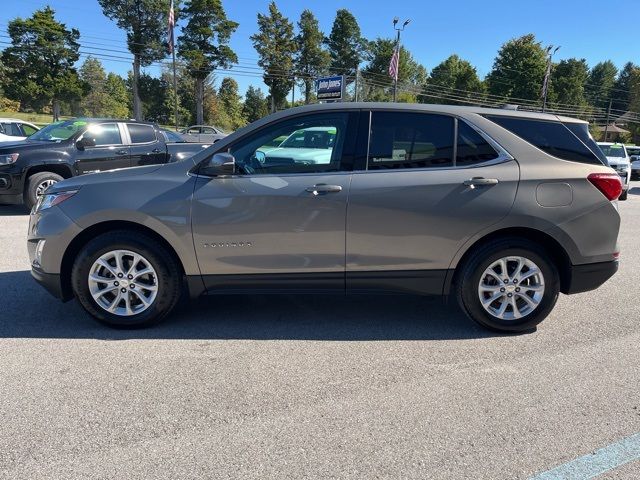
{"type": "Point", "coordinates": [126, 279]}
{"type": "Point", "coordinates": [37, 184]}
{"type": "Point", "coordinates": [508, 285]}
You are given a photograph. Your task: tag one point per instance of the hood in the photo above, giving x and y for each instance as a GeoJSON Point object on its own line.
{"type": "Point", "coordinates": [103, 177]}
{"type": "Point", "coordinates": [17, 146]}
{"type": "Point", "coordinates": [618, 161]}
{"type": "Point", "coordinates": [317, 155]}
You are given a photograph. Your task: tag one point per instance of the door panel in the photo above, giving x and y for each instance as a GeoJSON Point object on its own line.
{"type": "Point", "coordinates": [270, 224]}
{"type": "Point", "coordinates": [108, 153]}
{"type": "Point", "coordinates": [418, 219]}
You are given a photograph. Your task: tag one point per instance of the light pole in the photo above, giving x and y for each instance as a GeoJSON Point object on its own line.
{"type": "Point", "coordinates": [398, 29]}
{"type": "Point", "coordinates": [547, 76]}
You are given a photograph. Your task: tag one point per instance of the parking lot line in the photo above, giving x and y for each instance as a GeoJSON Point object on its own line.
{"type": "Point", "coordinates": [593, 464]}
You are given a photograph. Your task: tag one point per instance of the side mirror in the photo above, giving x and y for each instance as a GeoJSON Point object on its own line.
{"type": "Point", "coordinates": [219, 164]}
{"type": "Point", "coordinates": [635, 158]}
{"type": "Point", "coordinates": [85, 142]}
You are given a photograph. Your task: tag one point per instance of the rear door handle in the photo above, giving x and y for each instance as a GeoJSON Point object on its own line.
{"type": "Point", "coordinates": [323, 188]}
{"type": "Point", "coordinates": [480, 182]}
{"type": "Point", "coordinates": [121, 152]}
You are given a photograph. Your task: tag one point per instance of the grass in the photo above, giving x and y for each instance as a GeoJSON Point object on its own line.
{"type": "Point", "coordinates": [39, 119]}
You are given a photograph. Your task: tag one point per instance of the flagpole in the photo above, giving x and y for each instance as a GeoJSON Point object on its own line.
{"type": "Point", "coordinates": [172, 45]}
{"type": "Point", "coordinates": [395, 79]}
{"type": "Point", "coordinates": [175, 87]}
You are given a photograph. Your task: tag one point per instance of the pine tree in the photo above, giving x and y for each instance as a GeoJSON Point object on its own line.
{"type": "Point", "coordinates": [42, 57]}
{"type": "Point", "coordinates": [276, 46]}
{"type": "Point", "coordinates": [204, 44]}
{"type": "Point", "coordinates": [346, 44]}
{"type": "Point", "coordinates": [255, 105]}
{"type": "Point", "coordinates": [312, 60]}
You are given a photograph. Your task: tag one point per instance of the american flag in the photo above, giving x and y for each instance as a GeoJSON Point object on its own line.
{"type": "Point", "coordinates": [393, 66]}
{"type": "Point", "coordinates": [172, 24]}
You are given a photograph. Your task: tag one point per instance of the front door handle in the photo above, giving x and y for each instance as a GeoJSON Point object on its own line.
{"type": "Point", "coordinates": [121, 152]}
{"type": "Point", "coordinates": [322, 189]}
{"type": "Point", "coordinates": [155, 150]}
{"type": "Point", "coordinates": [480, 182]}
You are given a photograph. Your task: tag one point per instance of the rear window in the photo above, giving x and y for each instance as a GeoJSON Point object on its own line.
{"type": "Point", "coordinates": [553, 138]}
{"type": "Point", "coordinates": [141, 133]}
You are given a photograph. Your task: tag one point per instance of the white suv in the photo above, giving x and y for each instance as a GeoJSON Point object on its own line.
{"type": "Point", "coordinates": [12, 129]}
{"type": "Point", "coordinates": [618, 158]}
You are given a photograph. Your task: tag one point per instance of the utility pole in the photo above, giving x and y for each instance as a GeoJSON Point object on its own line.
{"type": "Point", "coordinates": [396, 55]}
{"type": "Point", "coordinates": [606, 125]}
{"type": "Point", "coordinates": [355, 96]}
{"type": "Point", "coordinates": [547, 76]}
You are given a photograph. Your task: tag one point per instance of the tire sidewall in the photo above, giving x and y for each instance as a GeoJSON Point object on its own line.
{"type": "Point", "coordinates": [167, 280]}
{"type": "Point", "coordinates": [30, 195]}
{"type": "Point", "coordinates": [475, 269]}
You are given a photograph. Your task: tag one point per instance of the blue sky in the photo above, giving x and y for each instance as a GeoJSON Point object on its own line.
{"type": "Point", "coordinates": [474, 30]}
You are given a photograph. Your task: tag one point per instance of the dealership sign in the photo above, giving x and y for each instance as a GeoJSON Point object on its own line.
{"type": "Point", "coordinates": [330, 88]}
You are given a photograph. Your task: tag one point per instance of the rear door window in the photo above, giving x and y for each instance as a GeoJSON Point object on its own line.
{"type": "Point", "coordinates": [400, 140]}
{"type": "Point", "coordinates": [553, 138]}
{"type": "Point", "coordinates": [141, 133]}
{"type": "Point", "coordinates": [104, 134]}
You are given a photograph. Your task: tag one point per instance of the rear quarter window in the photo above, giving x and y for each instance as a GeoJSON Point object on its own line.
{"type": "Point", "coordinates": [553, 138]}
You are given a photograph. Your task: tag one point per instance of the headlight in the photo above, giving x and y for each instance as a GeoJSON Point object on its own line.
{"type": "Point", "coordinates": [49, 200]}
{"type": "Point", "coordinates": [9, 159]}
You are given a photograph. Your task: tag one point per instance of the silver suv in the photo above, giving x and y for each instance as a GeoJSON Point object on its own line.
{"type": "Point", "coordinates": [501, 209]}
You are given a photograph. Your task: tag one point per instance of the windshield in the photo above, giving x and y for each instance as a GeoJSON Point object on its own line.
{"type": "Point", "coordinates": [310, 138]}
{"type": "Point", "coordinates": [613, 150]}
{"type": "Point", "coordinates": [59, 131]}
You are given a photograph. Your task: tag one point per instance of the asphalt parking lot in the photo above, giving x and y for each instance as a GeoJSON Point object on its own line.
{"type": "Point", "coordinates": [313, 387]}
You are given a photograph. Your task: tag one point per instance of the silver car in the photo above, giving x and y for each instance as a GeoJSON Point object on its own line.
{"type": "Point", "coordinates": [202, 134]}
{"type": "Point", "coordinates": [618, 159]}
{"type": "Point", "coordinates": [502, 210]}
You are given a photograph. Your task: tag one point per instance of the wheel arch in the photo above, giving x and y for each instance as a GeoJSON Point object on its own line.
{"type": "Point", "coordinates": [97, 229]}
{"type": "Point", "coordinates": [552, 246]}
{"type": "Point", "coordinates": [59, 169]}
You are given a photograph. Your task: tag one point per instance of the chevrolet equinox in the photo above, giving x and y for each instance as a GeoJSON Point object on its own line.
{"type": "Point", "coordinates": [502, 209]}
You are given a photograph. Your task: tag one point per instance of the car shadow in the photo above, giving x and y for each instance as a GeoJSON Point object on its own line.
{"type": "Point", "coordinates": [13, 210]}
{"type": "Point", "coordinates": [30, 312]}
{"type": "Point", "coordinates": [634, 191]}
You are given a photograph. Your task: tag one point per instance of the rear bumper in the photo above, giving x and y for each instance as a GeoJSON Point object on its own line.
{"type": "Point", "coordinates": [584, 278]}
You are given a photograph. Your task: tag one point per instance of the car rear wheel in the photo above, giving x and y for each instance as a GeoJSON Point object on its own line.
{"type": "Point", "coordinates": [37, 184]}
{"type": "Point", "coordinates": [508, 285]}
{"type": "Point", "coordinates": [126, 280]}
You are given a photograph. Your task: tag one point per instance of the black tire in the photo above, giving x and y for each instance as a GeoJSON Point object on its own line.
{"type": "Point", "coordinates": [30, 197]}
{"type": "Point", "coordinates": [624, 196]}
{"type": "Point", "coordinates": [169, 277]}
{"type": "Point", "coordinates": [470, 276]}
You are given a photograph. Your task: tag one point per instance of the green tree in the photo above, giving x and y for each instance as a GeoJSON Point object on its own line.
{"type": "Point", "coordinates": [601, 79]}
{"type": "Point", "coordinates": [312, 60]}
{"type": "Point", "coordinates": [411, 75]}
{"type": "Point", "coordinates": [568, 81]}
{"type": "Point", "coordinates": [620, 91]}
{"type": "Point", "coordinates": [346, 44]}
{"type": "Point", "coordinates": [518, 70]}
{"type": "Point", "coordinates": [255, 105]}
{"type": "Point", "coordinates": [145, 22]}
{"type": "Point", "coordinates": [42, 57]}
{"type": "Point", "coordinates": [94, 103]}
{"type": "Point", "coordinates": [454, 77]}
{"type": "Point", "coordinates": [276, 46]}
{"type": "Point", "coordinates": [204, 43]}
{"type": "Point", "coordinates": [231, 105]}
{"type": "Point", "coordinates": [118, 102]}
{"type": "Point", "coordinates": [634, 102]}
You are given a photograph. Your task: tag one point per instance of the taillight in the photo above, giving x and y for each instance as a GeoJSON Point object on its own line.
{"type": "Point", "coordinates": [608, 183]}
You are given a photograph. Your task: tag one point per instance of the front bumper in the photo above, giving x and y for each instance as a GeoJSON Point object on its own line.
{"type": "Point", "coordinates": [584, 278]}
{"type": "Point", "coordinates": [51, 282]}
